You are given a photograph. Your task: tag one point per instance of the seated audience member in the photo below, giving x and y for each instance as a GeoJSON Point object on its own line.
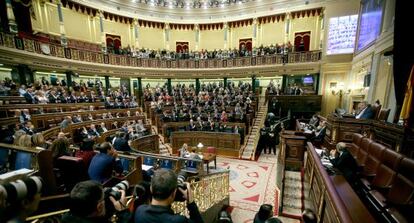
{"type": "Point", "coordinates": [102, 128]}
{"type": "Point", "coordinates": [66, 122]}
{"type": "Point", "coordinates": [77, 119]}
{"type": "Point", "coordinates": [184, 150]}
{"type": "Point", "coordinates": [314, 121]}
{"type": "Point", "coordinates": [86, 151]}
{"type": "Point", "coordinates": [344, 161]}
{"type": "Point", "coordinates": [104, 163]}
{"type": "Point", "coordinates": [121, 142]}
{"type": "Point", "coordinates": [164, 189]}
{"type": "Point", "coordinates": [364, 111]}
{"type": "Point", "coordinates": [192, 126]}
{"type": "Point", "coordinates": [308, 216]}
{"type": "Point", "coordinates": [20, 199]}
{"type": "Point", "coordinates": [59, 147]}
{"type": "Point", "coordinates": [88, 204]}
{"type": "Point", "coordinates": [319, 132]}
{"type": "Point", "coordinates": [264, 213]}
{"type": "Point", "coordinates": [194, 155]}
{"type": "Point", "coordinates": [23, 159]}
{"type": "Point", "coordinates": [93, 132]}
{"type": "Point", "coordinates": [139, 128]}
{"type": "Point", "coordinates": [29, 96]}
{"type": "Point", "coordinates": [28, 127]}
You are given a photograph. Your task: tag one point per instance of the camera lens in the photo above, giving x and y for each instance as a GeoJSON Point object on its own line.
{"type": "Point", "coordinates": [123, 185]}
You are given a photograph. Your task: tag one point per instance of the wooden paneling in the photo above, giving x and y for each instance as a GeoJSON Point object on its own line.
{"type": "Point", "coordinates": [227, 144]}
{"type": "Point", "coordinates": [393, 136]}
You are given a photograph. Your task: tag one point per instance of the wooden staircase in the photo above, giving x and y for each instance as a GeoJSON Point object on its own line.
{"type": "Point", "coordinates": [249, 149]}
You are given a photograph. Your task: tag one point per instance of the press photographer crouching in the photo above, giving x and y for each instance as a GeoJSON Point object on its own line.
{"type": "Point", "coordinates": [90, 203]}
{"type": "Point", "coordinates": [164, 187]}
{"type": "Point", "coordinates": [19, 199]}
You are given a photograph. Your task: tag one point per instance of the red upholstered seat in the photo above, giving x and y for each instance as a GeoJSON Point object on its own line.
{"type": "Point", "coordinates": [211, 149]}
{"type": "Point", "coordinates": [391, 159]}
{"type": "Point", "coordinates": [363, 151]}
{"type": "Point", "coordinates": [406, 168]}
{"type": "Point", "coordinates": [372, 162]}
{"type": "Point", "coordinates": [355, 145]}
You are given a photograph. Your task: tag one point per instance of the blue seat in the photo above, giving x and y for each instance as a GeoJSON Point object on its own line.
{"type": "Point", "coordinates": [149, 161]}
{"type": "Point", "coordinates": [191, 166]}
{"type": "Point", "coordinates": [167, 164]}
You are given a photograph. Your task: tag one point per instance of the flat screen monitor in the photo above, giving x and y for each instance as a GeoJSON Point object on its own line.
{"type": "Point", "coordinates": [308, 80]}
{"type": "Point", "coordinates": [370, 23]}
{"type": "Point", "coordinates": [341, 35]}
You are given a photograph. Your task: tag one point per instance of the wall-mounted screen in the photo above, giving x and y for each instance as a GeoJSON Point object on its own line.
{"type": "Point", "coordinates": [341, 35]}
{"type": "Point", "coordinates": [308, 80]}
{"type": "Point", "coordinates": [369, 23]}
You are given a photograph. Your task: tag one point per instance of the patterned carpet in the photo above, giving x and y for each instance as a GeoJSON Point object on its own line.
{"type": "Point", "coordinates": [251, 185]}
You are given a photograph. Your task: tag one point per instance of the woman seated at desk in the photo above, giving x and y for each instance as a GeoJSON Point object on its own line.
{"type": "Point", "coordinates": [184, 150]}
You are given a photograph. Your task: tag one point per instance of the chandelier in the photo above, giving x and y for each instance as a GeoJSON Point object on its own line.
{"type": "Point", "coordinates": [195, 4]}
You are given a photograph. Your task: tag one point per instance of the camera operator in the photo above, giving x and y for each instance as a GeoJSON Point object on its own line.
{"type": "Point", "coordinates": [164, 188]}
{"type": "Point", "coordinates": [88, 204]}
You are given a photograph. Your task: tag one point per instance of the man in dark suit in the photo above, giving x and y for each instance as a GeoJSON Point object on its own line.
{"type": "Point", "coordinates": [30, 99]}
{"type": "Point", "coordinates": [344, 161]}
{"type": "Point", "coordinates": [121, 143]}
{"type": "Point", "coordinates": [104, 163]}
{"type": "Point", "coordinates": [365, 111]}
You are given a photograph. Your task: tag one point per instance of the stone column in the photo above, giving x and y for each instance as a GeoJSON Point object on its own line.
{"type": "Point", "coordinates": [63, 39]}
{"type": "Point", "coordinates": [167, 36]}
{"type": "Point", "coordinates": [287, 27]}
{"type": "Point", "coordinates": [139, 98]}
{"type": "Point", "coordinates": [197, 36]}
{"type": "Point", "coordinates": [226, 33]}
{"type": "Point", "coordinates": [10, 16]}
{"type": "Point", "coordinates": [197, 85]}
{"type": "Point", "coordinates": [101, 28]}
{"type": "Point", "coordinates": [136, 34]}
{"type": "Point", "coordinates": [255, 25]}
{"type": "Point", "coordinates": [107, 84]}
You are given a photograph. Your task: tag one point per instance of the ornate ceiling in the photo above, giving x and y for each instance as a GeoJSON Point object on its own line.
{"type": "Point", "coordinates": [200, 11]}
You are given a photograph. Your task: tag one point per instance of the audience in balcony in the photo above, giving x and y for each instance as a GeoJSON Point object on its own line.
{"type": "Point", "coordinates": [204, 53]}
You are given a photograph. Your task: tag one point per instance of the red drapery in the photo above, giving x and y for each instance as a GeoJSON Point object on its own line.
{"type": "Point", "coordinates": [113, 41]}
{"type": "Point", "coordinates": [247, 43]}
{"type": "Point", "coordinates": [181, 46]}
{"type": "Point", "coordinates": [305, 36]}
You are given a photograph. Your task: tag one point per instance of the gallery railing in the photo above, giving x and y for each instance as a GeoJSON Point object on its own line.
{"type": "Point", "coordinates": [56, 50]}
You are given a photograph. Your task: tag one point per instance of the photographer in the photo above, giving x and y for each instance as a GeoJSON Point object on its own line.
{"type": "Point", "coordinates": [89, 204]}
{"type": "Point", "coordinates": [164, 188]}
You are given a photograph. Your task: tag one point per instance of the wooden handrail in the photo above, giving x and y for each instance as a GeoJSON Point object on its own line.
{"type": "Point", "coordinates": [21, 148]}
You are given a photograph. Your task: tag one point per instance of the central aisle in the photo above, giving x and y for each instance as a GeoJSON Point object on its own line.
{"type": "Point", "coordinates": [251, 185]}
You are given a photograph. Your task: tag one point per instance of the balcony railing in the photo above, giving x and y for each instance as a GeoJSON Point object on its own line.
{"type": "Point", "coordinates": [55, 50]}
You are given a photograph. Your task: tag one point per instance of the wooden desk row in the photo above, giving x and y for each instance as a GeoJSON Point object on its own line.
{"type": "Point", "coordinates": [9, 110]}
{"type": "Point", "coordinates": [52, 132]}
{"type": "Point", "coordinates": [44, 120]}
{"type": "Point", "coordinates": [175, 126]}
{"type": "Point", "coordinates": [393, 136]}
{"type": "Point", "coordinates": [331, 197]}
{"type": "Point", "coordinates": [227, 144]}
